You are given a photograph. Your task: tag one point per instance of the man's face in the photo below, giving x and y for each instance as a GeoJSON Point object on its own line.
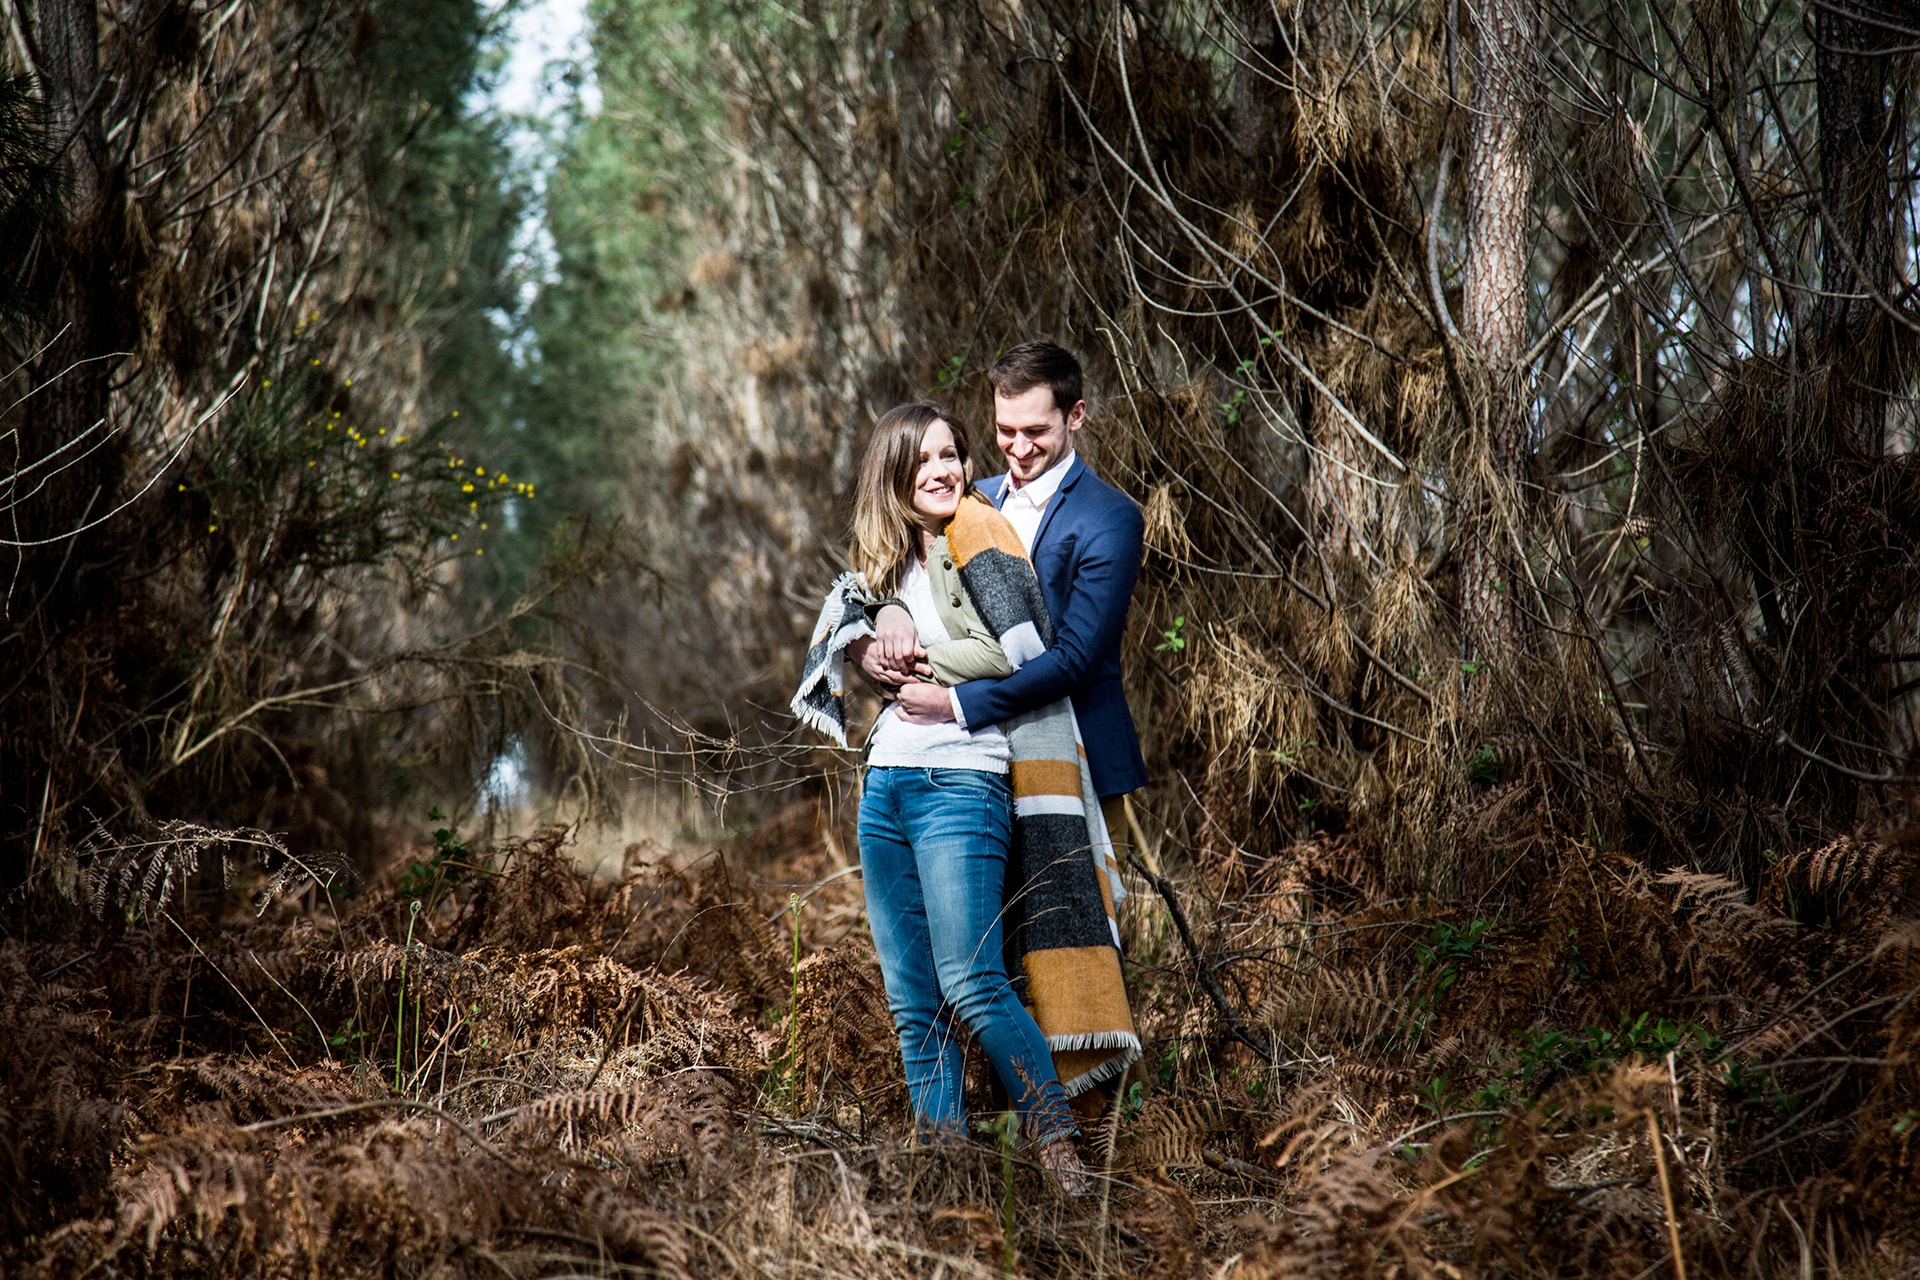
{"type": "Point", "coordinates": [1033, 432]}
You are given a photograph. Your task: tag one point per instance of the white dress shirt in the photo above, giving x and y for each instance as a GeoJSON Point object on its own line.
{"type": "Point", "coordinates": [1025, 505]}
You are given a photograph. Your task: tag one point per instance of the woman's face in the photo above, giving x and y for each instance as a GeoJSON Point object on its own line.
{"type": "Point", "coordinates": [941, 479]}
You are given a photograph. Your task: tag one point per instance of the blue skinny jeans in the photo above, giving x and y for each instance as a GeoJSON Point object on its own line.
{"type": "Point", "coordinates": [933, 855]}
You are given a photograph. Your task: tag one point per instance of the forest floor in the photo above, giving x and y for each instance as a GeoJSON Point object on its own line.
{"type": "Point", "coordinates": [493, 1061]}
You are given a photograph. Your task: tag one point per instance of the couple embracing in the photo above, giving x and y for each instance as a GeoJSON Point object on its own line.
{"type": "Point", "coordinates": [989, 617]}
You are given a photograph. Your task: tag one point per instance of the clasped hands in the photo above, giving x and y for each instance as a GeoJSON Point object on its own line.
{"type": "Point", "coordinates": [895, 665]}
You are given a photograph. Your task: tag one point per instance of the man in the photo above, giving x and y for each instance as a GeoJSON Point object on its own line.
{"type": "Point", "coordinates": [1084, 537]}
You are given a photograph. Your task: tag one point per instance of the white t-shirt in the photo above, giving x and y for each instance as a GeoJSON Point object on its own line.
{"type": "Point", "coordinates": [895, 744]}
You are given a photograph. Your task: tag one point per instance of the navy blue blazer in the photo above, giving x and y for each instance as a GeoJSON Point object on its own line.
{"type": "Point", "coordinates": [1087, 555]}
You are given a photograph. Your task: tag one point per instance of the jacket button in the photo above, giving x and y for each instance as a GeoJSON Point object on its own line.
{"type": "Point", "coordinates": [956, 602]}
{"type": "Point", "coordinates": [948, 563]}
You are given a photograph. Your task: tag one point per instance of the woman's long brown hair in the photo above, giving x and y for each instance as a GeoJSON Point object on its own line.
{"type": "Point", "coordinates": [886, 531]}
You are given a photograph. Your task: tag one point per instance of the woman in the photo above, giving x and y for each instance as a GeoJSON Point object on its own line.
{"type": "Point", "coordinates": [937, 814]}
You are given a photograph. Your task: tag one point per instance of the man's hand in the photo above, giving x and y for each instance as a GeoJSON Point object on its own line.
{"type": "Point", "coordinates": [924, 703]}
{"type": "Point", "coordinates": [893, 655]}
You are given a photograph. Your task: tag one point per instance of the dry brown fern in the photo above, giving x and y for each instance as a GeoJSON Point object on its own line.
{"type": "Point", "coordinates": [1850, 883]}
{"type": "Point", "coordinates": [635, 1232]}
{"type": "Point", "coordinates": [139, 874]}
{"type": "Point", "coordinates": [843, 1032]}
{"type": "Point", "coordinates": [728, 941]}
{"type": "Point", "coordinates": [1331, 1004]}
{"type": "Point", "coordinates": [1169, 1132]}
{"type": "Point", "coordinates": [250, 1090]}
{"type": "Point", "coordinates": [1163, 1217]}
{"type": "Point", "coordinates": [1350, 1219]}
{"type": "Point", "coordinates": [531, 895]}
{"type": "Point", "coordinates": [60, 1118]}
{"type": "Point", "coordinates": [688, 1113]}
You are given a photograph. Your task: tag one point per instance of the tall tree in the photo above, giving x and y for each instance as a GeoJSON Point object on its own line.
{"type": "Point", "coordinates": [1853, 41]}
{"type": "Point", "coordinates": [66, 443]}
{"type": "Point", "coordinates": [1500, 223]}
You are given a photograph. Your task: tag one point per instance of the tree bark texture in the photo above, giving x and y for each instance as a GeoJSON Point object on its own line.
{"type": "Point", "coordinates": [1494, 308]}
{"type": "Point", "coordinates": [71, 482]}
{"type": "Point", "coordinates": [1857, 219]}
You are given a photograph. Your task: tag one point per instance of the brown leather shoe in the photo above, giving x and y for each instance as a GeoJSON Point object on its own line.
{"type": "Point", "coordinates": [1061, 1160]}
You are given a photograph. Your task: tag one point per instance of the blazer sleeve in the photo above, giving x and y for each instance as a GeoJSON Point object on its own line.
{"type": "Point", "coordinates": [1088, 628]}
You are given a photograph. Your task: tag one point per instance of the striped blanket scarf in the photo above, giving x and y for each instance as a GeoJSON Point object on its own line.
{"type": "Point", "coordinates": [1062, 879]}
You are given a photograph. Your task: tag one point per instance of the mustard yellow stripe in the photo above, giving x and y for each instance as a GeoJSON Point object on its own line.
{"type": "Point", "coordinates": [1076, 990]}
{"type": "Point", "coordinates": [1046, 778]}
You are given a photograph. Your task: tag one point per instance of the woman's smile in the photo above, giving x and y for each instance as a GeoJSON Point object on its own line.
{"type": "Point", "coordinates": [941, 479]}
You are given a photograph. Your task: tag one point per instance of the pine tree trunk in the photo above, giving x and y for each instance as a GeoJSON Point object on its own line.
{"type": "Point", "coordinates": [1856, 230]}
{"type": "Point", "coordinates": [73, 374]}
{"type": "Point", "coordinates": [1499, 223]}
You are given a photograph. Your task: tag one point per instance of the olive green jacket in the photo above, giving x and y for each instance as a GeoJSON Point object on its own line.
{"type": "Point", "coordinates": [973, 653]}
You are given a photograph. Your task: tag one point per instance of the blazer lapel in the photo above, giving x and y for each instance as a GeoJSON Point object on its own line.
{"type": "Point", "coordinates": [1060, 498]}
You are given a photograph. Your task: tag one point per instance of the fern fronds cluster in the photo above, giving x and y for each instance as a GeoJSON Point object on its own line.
{"type": "Point", "coordinates": [606, 1076]}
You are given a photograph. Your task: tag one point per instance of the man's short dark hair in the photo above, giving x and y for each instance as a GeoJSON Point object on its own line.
{"type": "Point", "coordinates": [1038, 364]}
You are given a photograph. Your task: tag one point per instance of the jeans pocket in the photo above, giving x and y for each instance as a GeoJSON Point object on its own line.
{"type": "Point", "coordinates": [975, 781]}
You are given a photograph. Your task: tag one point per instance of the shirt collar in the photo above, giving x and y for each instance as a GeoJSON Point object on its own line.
{"type": "Point", "coordinates": [1043, 486]}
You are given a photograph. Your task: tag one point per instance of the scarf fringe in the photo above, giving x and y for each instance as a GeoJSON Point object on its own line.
{"type": "Point", "coordinates": [818, 703]}
{"type": "Point", "coordinates": [1104, 1071]}
{"type": "Point", "coordinates": [819, 721]}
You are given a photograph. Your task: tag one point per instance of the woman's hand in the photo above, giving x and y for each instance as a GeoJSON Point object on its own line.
{"type": "Point", "coordinates": [891, 656]}
{"type": "Point", "coordinates": [924, 703]}
{"type": "Point", "coordinates": [897, 639]}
